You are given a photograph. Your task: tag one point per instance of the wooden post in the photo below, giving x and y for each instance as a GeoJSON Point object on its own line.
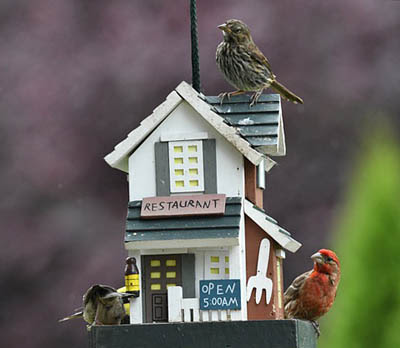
{"type": "Point", "coordinates": [234, 334]}
{"type": "Point", "coordinates": [254, 235]}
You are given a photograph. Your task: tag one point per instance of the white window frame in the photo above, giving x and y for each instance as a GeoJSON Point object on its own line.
{"type": "Point", "coordinates": [186, 166]}
{"type": "Point", "coordinates": [221, 265]}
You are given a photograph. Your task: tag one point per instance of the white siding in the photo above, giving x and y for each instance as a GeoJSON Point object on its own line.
{"type": "Point", "coordinates": [237, 269]}
{"type": "Point", "coordinates": [184, 119]}
{"type": "Point", "coordinates": [199, 270]}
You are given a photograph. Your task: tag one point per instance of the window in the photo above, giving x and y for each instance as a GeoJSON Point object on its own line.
{"type": "Point", "coordinates": [186, 166]}
{"type": "Point", "coordinates": [216, 264]}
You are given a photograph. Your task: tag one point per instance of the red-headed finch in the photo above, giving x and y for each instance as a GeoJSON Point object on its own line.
{"type": "Point", "coordinates": [312, 293]}
{"type": "Point", "coordinates": [244, 66]}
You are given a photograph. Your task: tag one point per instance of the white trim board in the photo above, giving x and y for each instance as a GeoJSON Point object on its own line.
{"type": "Point", "coordinates": [119, 157]}
{"type": "Point", "coordinates": [185, 136]}
{"type": "Point", "coordinates": [272, 229]}
{"type": "Point", "coordinates": [163, 251]}
{"type": "Point", "coordinates": [181, 243]}
{"type": "Point", "coordinates": [281, 151]}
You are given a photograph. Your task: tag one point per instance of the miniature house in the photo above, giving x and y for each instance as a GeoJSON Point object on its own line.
{"type": "Point", "coordinates": [205, 248]}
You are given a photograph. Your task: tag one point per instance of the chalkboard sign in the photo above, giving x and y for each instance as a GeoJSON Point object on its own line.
{"type": "Point", "coordinates": [220, 294]}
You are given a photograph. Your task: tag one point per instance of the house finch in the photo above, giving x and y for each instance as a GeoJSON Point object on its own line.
{"type": "Point", "coordinates": [102, 305]}
{"type": "Point", "coordinates": [311, 294]}
{"type": "Point", "coordinates": [244, 66]}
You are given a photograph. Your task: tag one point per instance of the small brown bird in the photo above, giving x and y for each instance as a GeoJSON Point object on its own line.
{"type": "Point", "coordinates": [102, 305]}
{"type": "Point", "coordinates": [312, 293]}
{"type": "Point", "coordinates": [244, 66]}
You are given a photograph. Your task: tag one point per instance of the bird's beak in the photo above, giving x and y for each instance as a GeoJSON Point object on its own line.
{"type": "Point", "coordinates": [224, 28]}
{"type": "Point", "coordinates": [318, 258]}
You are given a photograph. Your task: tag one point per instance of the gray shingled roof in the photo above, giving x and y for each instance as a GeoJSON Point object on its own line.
{"type": "Point", "coordinates": [192, 227]}
{"type": "Point", "coordinates": [261, 125]}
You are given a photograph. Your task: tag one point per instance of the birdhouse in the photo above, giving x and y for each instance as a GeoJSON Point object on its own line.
{"type": "Point", "coordinates": [205, 248]}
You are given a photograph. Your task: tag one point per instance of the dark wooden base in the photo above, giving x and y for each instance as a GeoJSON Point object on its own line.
{"type": "Point", "coordinates": [234, 334]}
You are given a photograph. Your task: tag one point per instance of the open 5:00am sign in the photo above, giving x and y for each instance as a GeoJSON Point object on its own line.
{"type": "Point", "coordinates": [219, 294]}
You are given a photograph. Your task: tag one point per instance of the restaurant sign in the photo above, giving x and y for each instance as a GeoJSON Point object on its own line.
{"type": "Point", "coordinates": [209, 204]}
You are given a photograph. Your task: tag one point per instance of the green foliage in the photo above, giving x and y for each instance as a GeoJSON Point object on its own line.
{"type": "Point", "coordinates": [367, 308]}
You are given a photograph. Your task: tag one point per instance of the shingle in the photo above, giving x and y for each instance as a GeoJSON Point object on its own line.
{"type": "Point", "coordinates": [259, 125]}
{"type": "Point", "coordinates": [194, 227]}
{"type": "Point", "coordinates": [244, 98]}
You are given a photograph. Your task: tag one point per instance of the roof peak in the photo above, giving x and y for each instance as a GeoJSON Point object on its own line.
{"type": "Point", "coordinates": [239, 135]}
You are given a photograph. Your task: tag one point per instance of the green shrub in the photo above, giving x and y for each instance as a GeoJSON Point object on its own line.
{"type": "Point", "coordinates": [367, 308]}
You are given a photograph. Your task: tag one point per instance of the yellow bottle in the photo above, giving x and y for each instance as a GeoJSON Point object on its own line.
{"type": "Point", "coordinates": [132, 277]}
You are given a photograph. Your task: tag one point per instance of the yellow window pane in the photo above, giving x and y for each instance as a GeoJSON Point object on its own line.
{"type": "Point", "coordinates": [155, 263]}
{"type": "Point", "coordinates": [214, 258]}
{"type": "Point", "coordinates": [171, 275]}
{"type": "Point", "coordinates": [168, 285]}
{"type": "Point", "coordinates": [226, 270]}
{"type": "Point", "coordinates": [192, 148]}
{"type": "Point", "coordinates": [155, 275]}
{"type": "Point", "coordinates": [193, 171]}
{"type": "Point", "coordinates": [178, 148]}
{"type": "Point", "coordinates": [214, 270]}
{"type": "Point", "coordinates": [178, 160]}
{"type": "Point", "coordinates": [178, 171]}
{"type": "Point", "coordinates": [193, 160]}
{"type": "Point", "coordinates": [155, 286]}
{"type": "Point", "coordinates": [193, 182]}
{"type": "Point", "coordinates": [226, 259]}
{"type": "Point", "coordinates": [170, 263]}
{"type": "Point", "coordinates": [179, 183]}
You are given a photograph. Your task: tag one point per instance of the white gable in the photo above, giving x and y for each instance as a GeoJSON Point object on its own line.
{"type": "Point", "coordinates": [119, 157]}
{"type": "Point", "coordinates": [184, 121]}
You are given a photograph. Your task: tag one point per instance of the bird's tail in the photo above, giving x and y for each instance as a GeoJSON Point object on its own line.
{"type": "Point", "coordinates": [285, 93]}
{"type": "Point", "coordinates": [73, 316]}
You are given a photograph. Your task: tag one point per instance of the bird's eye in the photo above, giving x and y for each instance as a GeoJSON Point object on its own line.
{"type": "Point", "coordinates": [237, 30]}
{"type": "Point", "coordinates": [329, 259]}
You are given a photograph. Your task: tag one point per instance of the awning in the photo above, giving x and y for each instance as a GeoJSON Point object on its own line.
{"type": "Point", "coordinates": [271, 227]}
{"type": "Point", "coordinates": [183, 232]}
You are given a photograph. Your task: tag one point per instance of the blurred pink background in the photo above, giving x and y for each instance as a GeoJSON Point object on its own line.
{"type": "Point", "coordinates": [78, 76]}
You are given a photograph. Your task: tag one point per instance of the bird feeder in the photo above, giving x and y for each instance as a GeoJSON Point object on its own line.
{"type": "Point", "coordinates": [206, 250]}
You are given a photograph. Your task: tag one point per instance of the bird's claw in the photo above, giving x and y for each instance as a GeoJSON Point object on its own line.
{"type": "Point", "coordinates": [316, 328]}
{"type": "Point", "coordinates": [254, 98]}
{"type": "Point", "coordinates": [223, 95]}
{"type": "Point", "coordinates": [229, 95]}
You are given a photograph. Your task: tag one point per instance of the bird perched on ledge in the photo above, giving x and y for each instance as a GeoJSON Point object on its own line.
{"type": "Point", "coordinates": [312, 293]}
{"type": "Point", "coordinates": [102, 305]}
{"type": "Point", "coordinates": [244, 66]}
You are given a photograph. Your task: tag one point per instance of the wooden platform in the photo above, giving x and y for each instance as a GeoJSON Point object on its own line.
{"type": "Point", "coordinates": [234, 334]}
